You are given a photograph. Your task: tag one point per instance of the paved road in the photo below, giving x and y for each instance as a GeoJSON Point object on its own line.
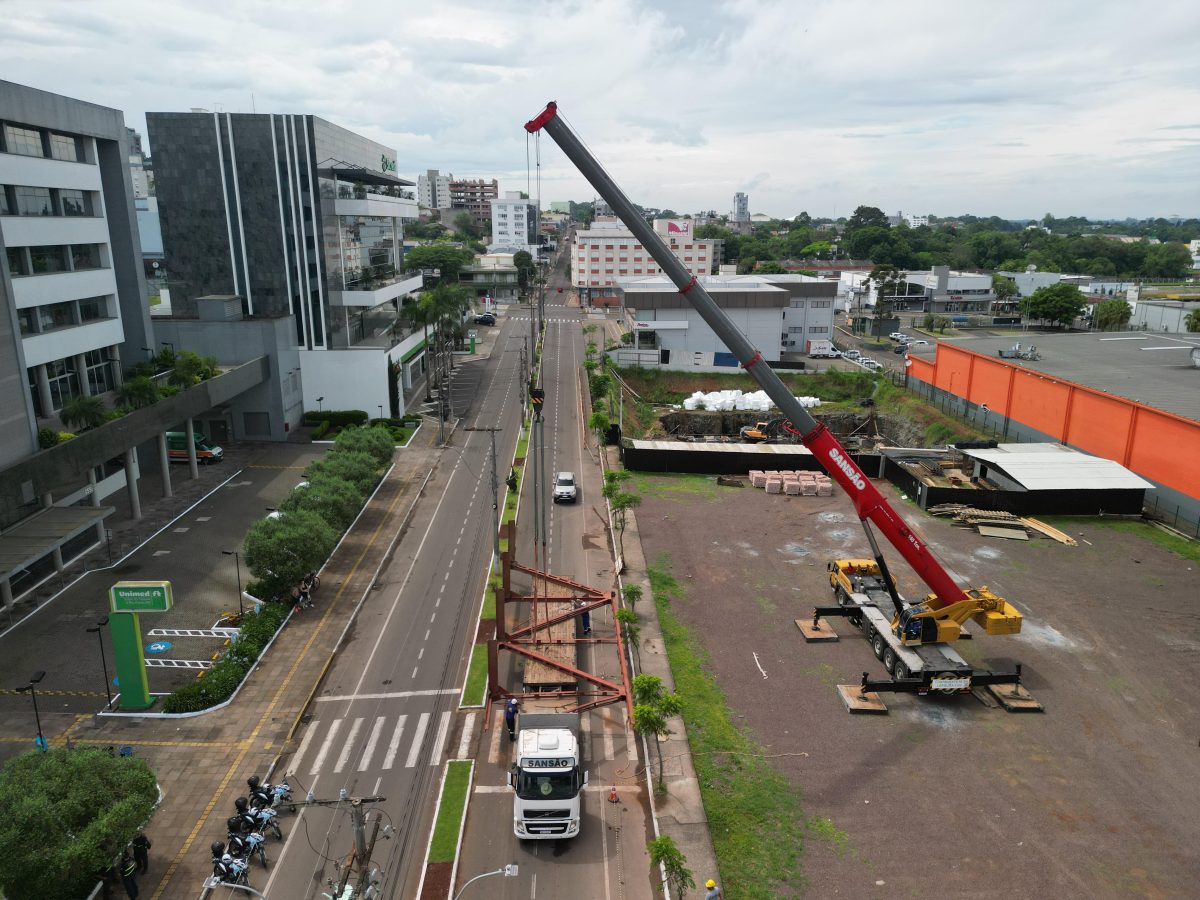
{"type": "Point", "coordinates": [387, 713]}
{"type": "Point", "coordinates": [608, 858]}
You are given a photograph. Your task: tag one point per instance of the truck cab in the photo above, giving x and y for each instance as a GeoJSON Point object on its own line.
{"type": "Point", "coordinates": [548, 777]}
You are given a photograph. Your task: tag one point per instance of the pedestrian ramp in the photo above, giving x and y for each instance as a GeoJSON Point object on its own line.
{"type": "Point", "coordinates": [606, 736]}
{"type": "Point", "coordinates": [372, 743]}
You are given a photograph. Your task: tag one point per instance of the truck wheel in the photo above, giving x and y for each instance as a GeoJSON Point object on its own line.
{"type": "Point", "coordinates": [878, 644]}
{"type": "Point", "coordinates": [889, 659]}
{"type": "Point", "coordinates": [900, 672]}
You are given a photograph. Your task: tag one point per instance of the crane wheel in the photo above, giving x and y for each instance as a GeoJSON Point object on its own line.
{"type": "Point", "coordinates": [889, 659]}
{"type": "Point", "coordinates": [878, 644]}
{"type": "Point", "coordinates": [900, 671]}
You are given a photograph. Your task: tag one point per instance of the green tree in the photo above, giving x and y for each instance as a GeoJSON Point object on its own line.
{"type": "Point", "coordinates": [374, 440]}
{"type": "Point", "coordinates": [1056, 303]}
{"type": "Point", "coordinates": [1111, 314]}
{"type": "Point", "coordinates": [631, 631]}
{"type": "Point", "coordinates": [653, 706]}
{"type": "Point", "coordinates": [1003, 287]}
{"type": "Point", "coordinates": [464, 224]}
{"type": "Point", "coordinates": [446, 259]}
{"type": "Point", "coordinates": [771, 268]}
{"type": "Point", "coordinates": [817, 250]}
{"type": "Point", "coordinates": [335, 500]}
{"type": "Point", "coordinates": [619, 500]}
{"type": "Point", "coordinates": [1167, 261]}
{"type": "Point", "coordinates": [866, 217]}
{"type": "Point", "coordinates": [1192, 321]}
{"type": "Point", "coordinates": [354, 466]}
{"type": "Point", "coordinates": [665, 853]}
{"type": "Point", "coordinates": [190, 368]}
{"type": "Point", "coordinates": [599, 423]}
{"type": "Point", "coordinates": [280, 551]}
{"type": "Point", "coordinates": [137, 392]}
{"type": "Point", "coordinates": [83, 412]}
{"type": "Point", "coordinates": [632, 594]}
{"type": "Point", "coordinates": [888, 281]}
{"type": "Point", "coordinates": [67, 814]}
{"type": "Point", "coordinates": [523, 260]}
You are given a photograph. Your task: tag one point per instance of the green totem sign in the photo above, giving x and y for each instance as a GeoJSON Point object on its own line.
{"type": "Point", "coordinates": [126, 599]}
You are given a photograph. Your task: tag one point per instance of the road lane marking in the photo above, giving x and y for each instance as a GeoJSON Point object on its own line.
{"type": "Point", "coordinates": [440, 742]}
{"type": "Point", "coordinates": [344, 756]}
{"type": "Point", "coordinates": [418, 739]}
{"type": "Point", "coordinates": [421, 653]}
{"type": "Point", "coordinates": [392, 695]}
{"type": "Point", "coordinates": [394, 743]}
{"type": "Point", "coordinates": [371, 742]}
{"type": "Point", "coordinates": [308, 736]}
{"type": "Point", "coordinates": [378, 782]}
{"type": "Point", "coordinates": [324, 751]}
{"type": "Point", "coordinates": [414, 674]}
{"type": "Point", "coordinates": [464, 742]}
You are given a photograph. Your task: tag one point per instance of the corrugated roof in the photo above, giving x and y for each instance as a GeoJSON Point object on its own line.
{"type": "Point", "coordinates": [719, 447]}
{"type": "Point", "coordinates": [1041, 467]}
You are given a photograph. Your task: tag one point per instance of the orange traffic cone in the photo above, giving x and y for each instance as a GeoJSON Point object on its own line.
{"type": "Point", "coordinates": [612, 795]}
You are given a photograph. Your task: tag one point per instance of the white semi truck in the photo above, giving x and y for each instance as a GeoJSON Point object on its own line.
{"type": "Point", "coordinates": [548, 777]}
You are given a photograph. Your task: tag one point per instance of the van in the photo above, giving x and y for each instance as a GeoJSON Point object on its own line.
{"type": "Point", "coordinates": [205, 452]}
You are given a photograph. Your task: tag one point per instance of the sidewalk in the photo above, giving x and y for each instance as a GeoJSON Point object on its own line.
{"type": "Point", "coordinates": [248, 736]}
{"type": "Point", "coordinates": [680, 812]}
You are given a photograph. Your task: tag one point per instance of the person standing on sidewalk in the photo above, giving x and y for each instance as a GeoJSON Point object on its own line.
{"type": "Point", "coordinates": [128, 870]}
{"type": "Point", "coordinates": [714, 892]}
{"type": "Point", "coordinates": [510, 717]}
{"type": "Point", "coordinates": [141, 852]}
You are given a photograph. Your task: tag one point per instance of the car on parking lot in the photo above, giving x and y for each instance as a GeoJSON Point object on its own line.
{"type": "Point", "coordinates": [900, 348]}
{"type": "Point", "coordinates": [869, 363]}
{"type": "Point", "coordinates": [851, 353]}
{"type": "Point", "coordinates": [898, 336]}
{"type": "Point", "coordinates": [486, 318]}
{"type": "Point", "coordinates": [565, 490]}
{"type": "Point", "coordinates": [917, 344]}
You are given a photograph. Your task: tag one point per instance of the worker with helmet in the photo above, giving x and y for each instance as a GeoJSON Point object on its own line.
{"type": "Point", "coordinates": [714, 892]}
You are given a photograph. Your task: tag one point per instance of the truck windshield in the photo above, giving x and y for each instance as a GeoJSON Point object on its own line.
{"type": "Point", "coordinates": [547, 785]}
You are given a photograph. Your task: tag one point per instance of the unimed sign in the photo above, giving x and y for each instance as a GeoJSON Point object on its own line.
{"type": "Point", "coordinates": [140, 596]}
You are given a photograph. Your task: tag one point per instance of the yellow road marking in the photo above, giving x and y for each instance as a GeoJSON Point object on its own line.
{"type": "Point", "coordinates": [266, 716]}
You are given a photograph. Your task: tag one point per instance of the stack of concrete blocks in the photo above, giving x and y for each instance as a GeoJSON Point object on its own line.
{"type": "Point", "coordinates": [793, 483]}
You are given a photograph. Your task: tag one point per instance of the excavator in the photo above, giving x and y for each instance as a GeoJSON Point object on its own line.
{"type": "Point", "coordinates": [762, 431]}
{"type": "Point", "coordinates": [914, 640]}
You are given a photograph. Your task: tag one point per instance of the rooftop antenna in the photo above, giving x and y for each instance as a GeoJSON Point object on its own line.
{"type": "Point", "coordinates": [252, 109]}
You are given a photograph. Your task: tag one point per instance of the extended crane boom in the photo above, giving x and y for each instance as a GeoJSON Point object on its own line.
{"type": "Point", "coordinates": [869, 503]}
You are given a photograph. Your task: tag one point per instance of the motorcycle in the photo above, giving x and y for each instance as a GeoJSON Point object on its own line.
{"type": "Point", "coordinates": [228, 869]}
{"type": "Point", "coordinates": [272, 795]}
{"type": "Point", "coordinates": [245, 846]}
{"type": "Point", "coordinates": [257, 818]}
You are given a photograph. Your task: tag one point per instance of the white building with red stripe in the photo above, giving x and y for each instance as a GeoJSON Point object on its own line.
{"type": "Point", "coordinates": [608, 250]}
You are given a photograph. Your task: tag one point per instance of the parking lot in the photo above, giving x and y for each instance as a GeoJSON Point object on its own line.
{"type": "Point", "coordinates": [953, 796]}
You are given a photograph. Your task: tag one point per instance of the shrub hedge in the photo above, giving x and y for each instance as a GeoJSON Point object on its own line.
{"type": "Point", "coordinates": [336, 417]}
{"type": "Point", "coordinates": [319, 431]}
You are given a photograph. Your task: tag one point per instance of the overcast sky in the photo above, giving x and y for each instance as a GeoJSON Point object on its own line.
{"type": "Point", "coordinates": [1010, 108]}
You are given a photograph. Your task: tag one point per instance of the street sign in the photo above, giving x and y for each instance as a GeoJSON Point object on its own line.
{"type": "Point", "coordinates": [140, 596]}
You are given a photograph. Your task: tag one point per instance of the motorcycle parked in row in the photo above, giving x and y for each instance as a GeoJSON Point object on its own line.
{"type": "Point", "coordinates": [228, 869]}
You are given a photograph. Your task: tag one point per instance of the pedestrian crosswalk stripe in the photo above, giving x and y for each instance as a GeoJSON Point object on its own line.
{"type": "Point", "coordinates": [324, 751]}
{"type": "Point", "coordinates": [344, 756]}
{"type": "Point", "coordinates": [608, 736]}
{"type": "Point", "coordinates": [312, 729]}
{"type": "Point", "coordinates": [464, 742]}
{"type": "Point", "coordinates": [440, 742]}
{"type": "Point", "coordinates": [394, 743]}
{"type": "Point", "coordinates": [371, 742]}
{"type": "Point", "coordinates": [415, 751]}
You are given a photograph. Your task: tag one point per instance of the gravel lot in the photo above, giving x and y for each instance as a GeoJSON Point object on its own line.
{"type": "Point", "coordinates": [948, 797]}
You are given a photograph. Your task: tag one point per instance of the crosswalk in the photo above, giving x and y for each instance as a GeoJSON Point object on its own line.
{"type": "Point", "coordinates": [548, 319]}
{"type": "Point", "coordinates": [357, 743]}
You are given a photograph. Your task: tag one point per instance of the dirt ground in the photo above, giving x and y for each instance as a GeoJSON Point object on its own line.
{"type": "Point", "coordinates": [947, 797]}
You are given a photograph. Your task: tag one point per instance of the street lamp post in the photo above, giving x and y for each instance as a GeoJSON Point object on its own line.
{"type": "Point", "coordinates": [381, 410]}
{"type": "Point", "coordinates": [34, 679]}
{"type": "Point", "coordinates": [237, 562]}
{"type": "Point", "coordinates": [320, 400]}
{"type": "Point", "coordinates": [99, 632]}
{"type": "Point", "coordinates": [509, 871]}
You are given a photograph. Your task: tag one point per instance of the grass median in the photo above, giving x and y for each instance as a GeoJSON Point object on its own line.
{"type": "Point", "coordinates": [472, 694]}
{"type": "Point", "coordinates": [444, 844]}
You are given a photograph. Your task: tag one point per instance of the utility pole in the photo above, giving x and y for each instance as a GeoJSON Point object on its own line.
{"type": "Point", "coordinates": [495, 494]}
{"type": "Point", "coordinates": [361, 859]}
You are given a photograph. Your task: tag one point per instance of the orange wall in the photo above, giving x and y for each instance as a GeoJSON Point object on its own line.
{"type": "Point", "coordinates": [1157, 445]}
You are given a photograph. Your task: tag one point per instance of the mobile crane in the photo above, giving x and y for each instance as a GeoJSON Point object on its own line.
{"type": "Point", "coordinates": [917, 633]}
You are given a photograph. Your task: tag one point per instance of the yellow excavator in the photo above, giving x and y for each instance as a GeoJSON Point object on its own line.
{"type": "Point", "coordinates": [762, 431]}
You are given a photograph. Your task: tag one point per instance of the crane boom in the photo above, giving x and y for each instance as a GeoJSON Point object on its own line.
{"type": "Point", "coordinates": [869, 503]}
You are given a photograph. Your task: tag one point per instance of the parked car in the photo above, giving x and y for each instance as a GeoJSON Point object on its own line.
{"type": "Point", "coordinates": [918, 344]}
{"type": "Point", "coordinates": [565, 490]}
{"type": "Point", "coordinates": [869, 363]}
{"type": "Point", "coordinates": [851, 353]}
{"type": "Point", "coordinates": [898, 336]}
{"type": "Point", "coordinates": [900, 348]}
{"type": "Point", "coordinates": [485, 319]}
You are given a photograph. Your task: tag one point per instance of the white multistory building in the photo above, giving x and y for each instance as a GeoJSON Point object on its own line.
{"type": "Point", "coordinates": [608, 250]}
{"type": "Point", "coordinates": [741, 207]}
{"type": "Point", "coordinates": [433, 190]}
{"type": "Point", "coordinates": [514, 224]}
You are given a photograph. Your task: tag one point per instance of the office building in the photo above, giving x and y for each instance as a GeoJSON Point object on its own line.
{"type": "Point", "coordinates": [72, 295]}
{"type": "Point", "coordinates": [741, 207]}
{"type": "Point", "coordinates": [514, 224]}
{"type": "Point", "coordinates": [298, 218]}
{"type": "Point", "coordinates": [474, 197]}
{"type": "Point", "coordinates": [607, 251]}
{"type": "Point", "coordinates": [433, 190]}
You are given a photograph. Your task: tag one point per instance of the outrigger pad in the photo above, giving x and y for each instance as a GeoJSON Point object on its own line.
{"type": "Point", "coordinates": [822, 633]}
{"type": "Point", "coordinates": [858, 702]}
{"type": "Point", "coordinates": [1015, 698]}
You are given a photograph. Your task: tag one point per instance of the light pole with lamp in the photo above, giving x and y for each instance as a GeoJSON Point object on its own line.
{"type": "Point", "coordinates": [237, 562]}
{"type": "Point", "coordinates": [509, 871]}
{"type": "Point", "coordinates": [320, 400]}
{"type": "Point", "coordinates": [381, 410]}
{"type": "Point", "coordinates": [99, 632]}
{"type": "Point", "coordinates": [34, 679]}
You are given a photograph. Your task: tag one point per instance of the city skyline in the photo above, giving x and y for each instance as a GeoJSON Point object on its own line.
{"type": "Point", "coordinates": [926, 108]}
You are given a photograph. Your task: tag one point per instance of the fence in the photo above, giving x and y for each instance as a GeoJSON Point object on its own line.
{"type": "Point", "coordinates": [1163, 504]}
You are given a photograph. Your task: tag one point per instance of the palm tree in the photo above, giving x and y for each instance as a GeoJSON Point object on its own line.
{"type": "Point", "coordinates": [1192, 320]}
{"type": "Point", "coordinates": [449, 303]}
{"type": "Point", "coordinates": [420, 313]}
{"type": "Point", "coordinates": [83, 412]}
